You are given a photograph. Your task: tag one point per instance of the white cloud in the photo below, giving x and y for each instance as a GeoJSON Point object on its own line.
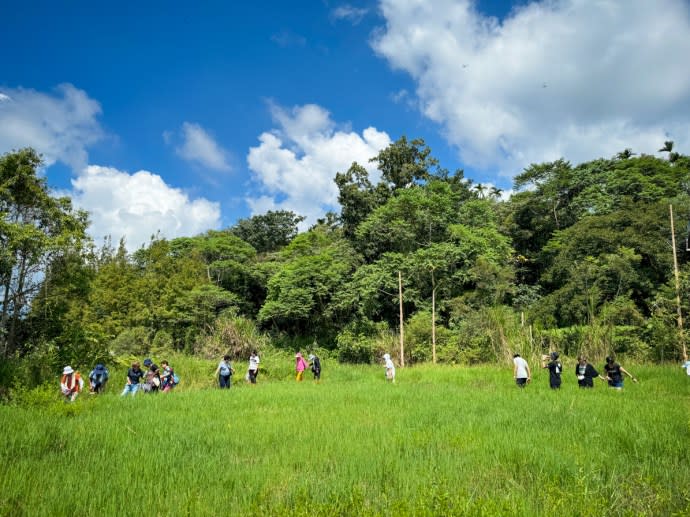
{"type": "Point", "coordinates": [137, 206]}
{"type": "Point", "coordinates": [347, 12]}
{"type": "Point", "coordinates": [295, 165]}
{"type": "Point", "coordinates": [59, 125]}
{"type": "Point", "coordinates": [572, 78]}
{"type": "Point", "coordinates": [199, 146]}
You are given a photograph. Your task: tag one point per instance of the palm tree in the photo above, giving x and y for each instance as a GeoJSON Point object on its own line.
{"type": "Point", "coordinates": [495, 192]}
{"type": "Point", "coordinates": [668, 147]}
{"type": "Point", "coordinates": [625, 154]}
{"type": "Point", "coordinates": [480, 189]}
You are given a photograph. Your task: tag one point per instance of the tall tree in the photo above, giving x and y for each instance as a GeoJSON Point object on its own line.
{"type": "Point", "coordinates": [35, 228]}
{"type": "Point", "coordinates": [268, 232]}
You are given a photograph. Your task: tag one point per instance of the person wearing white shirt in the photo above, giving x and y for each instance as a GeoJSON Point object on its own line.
{"type": "Point", "coordinates": [253, 370]}
{"type": "Point", "coordinates": [390, 367]}
{"type": "Point", "coordinates": [521, 371]}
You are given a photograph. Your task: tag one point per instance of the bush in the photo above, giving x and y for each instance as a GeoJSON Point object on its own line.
{"type": "Point", "coordinates": [234, 335]}
{"type": "Point", "coordinates": [134, 341]}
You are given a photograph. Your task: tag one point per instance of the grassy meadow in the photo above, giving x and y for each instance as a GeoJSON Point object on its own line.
{"type": "Point", "coordinates": [443, 440]}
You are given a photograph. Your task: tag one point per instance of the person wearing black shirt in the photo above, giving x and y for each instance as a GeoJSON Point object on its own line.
{"type": "Point", "coordinates": [555, 368]}
{"type": "Point", "coordinates": [315, 367]}
{"type": "Point", "coordinates": [586, 373]}
{"type": "Point", "coordinates": [614, 373]}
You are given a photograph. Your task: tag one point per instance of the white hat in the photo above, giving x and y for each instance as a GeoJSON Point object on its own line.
{"type": "Point", "coordinates": [67, 370]}
{"type": "Point", "coordinates": [386, 356]}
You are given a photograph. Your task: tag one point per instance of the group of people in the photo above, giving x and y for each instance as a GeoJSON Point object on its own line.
{"type": "Point", "coordinates": [164, 379]}
{"type": "Point", "coordinates": [153, 380]}
{"type": "Point", "coordinates": [72, 383]}
{"type": "Point", "coordinates": [301, 365]}
{"type": "Point", "coordinates": [584, 371]}
{"type": "Point", "coordinates": [225, 371]}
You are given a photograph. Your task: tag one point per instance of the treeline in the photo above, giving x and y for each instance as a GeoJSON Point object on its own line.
{"type": "Point", "coordinates": [579, 258]}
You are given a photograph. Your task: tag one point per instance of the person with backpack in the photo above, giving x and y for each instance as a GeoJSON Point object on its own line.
{"type": "Point", "coordinates": [224, 373]}
{"type": "Point", "coordinates": [134, 376]}
{"type": "Point", "coordinates": [614, 373]}
{"type": "Point", "coordinates": [98, 379]}
{"type": "Point", "coordinates": [315, 364]}
{"type": "Point", "coordinates": [168, 377]}
{"type": "Point", "coordinates": [300, 366]}
{"type": "Point", "coordinates": [71, 383]}
{"type": "Point", "coordinates": [555, 368]}
{"type": "Point", "coordinates": [152, 379]}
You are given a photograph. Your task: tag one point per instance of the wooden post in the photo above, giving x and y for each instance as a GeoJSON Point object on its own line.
{"type": "Point", "coordinates": [402, 339]}
{"type": "Point", "coordinates": [675, 272]}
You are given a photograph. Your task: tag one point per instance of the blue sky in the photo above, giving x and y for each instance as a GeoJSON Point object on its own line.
{"type": "Point", "coordinates": [181, 118]}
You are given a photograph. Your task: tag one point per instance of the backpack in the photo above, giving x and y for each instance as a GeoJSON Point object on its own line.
{"type": "Point", "coordinates": [175, 379]}
{"type": "Point", "coordinates": [100, 375]}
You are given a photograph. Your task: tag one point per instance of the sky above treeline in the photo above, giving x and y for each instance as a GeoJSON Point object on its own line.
{"type": "Point", "coordinates": [178, 118]}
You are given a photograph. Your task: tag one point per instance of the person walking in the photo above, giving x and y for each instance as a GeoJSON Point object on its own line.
{"type": "Point", "coordinates": [586, 373]}
{"type": "Point", "coordinates": [167, 377]}
{"type": "Point", "coordinates": [521, 371]}
{"type": "Point", "coordinates": [134, 376]}
{"type": "Point", "coordinates": [614, 373]}
{"type": "Point", "coordinates": [555, 368]}
{"type": "Point", "coordinates": [300, 366]}
{"type": "Point", "coordinates": [253, 370]}
{"type": "Point", "coordinates": [224, 373]}
{"type": "Point", "coordinates": [390, 367]}
{"type": "Point", "coordinates": [315, 366]}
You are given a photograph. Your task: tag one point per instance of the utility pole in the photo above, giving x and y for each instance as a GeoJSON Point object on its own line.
{"type": "Point", "coordinates": [402, 339]}
{"type": "Point", "coordinates": [675, 272]}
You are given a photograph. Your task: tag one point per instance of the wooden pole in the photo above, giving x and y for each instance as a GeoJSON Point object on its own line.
{"type": "Point", "coordinates": [433, 318]}
{"type": "Point", "coordinates": [675, 272]}
{"type": "Point", "coordinates": [402, 339]}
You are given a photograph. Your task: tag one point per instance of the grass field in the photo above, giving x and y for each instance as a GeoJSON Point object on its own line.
{"type": "Point", "coordinates": [441, 441]}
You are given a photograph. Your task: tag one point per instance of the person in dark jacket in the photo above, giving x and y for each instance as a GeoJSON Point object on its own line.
{"type": "Point", "coordinates": [315, 364]}
{"type": "Point", "coordinates": [555, 368]}
{"type": "Point", "coordinates": [98, 378]}
{"type": "Point", "coordinates": [586, 373]}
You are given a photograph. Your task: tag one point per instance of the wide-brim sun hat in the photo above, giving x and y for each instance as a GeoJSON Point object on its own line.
{"type": "Point", "coordinates": [67, 370]}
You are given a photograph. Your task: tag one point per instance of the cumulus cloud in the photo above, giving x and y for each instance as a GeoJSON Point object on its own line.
{"type": "Point", "coordinates": [60, 125]}
{"type": "Point", "coordinates": [295, 164]}
{"type": "Point", "coordinates": [554, 78]}
{"type": "Point", "coordinates": [199, 146]}
{"type": "Point", "coordinates": [137, 206]}
{"type": "Point", "coordinates": [347, 12]}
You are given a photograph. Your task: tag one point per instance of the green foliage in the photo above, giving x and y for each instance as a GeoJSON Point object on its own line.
{"type": "Point", "coordinates": [268, 232]}
{"type": "Point", "coordinates": [363, 342]}
{"type": "Point", "coordinates": [441, 441]}
{"type": "Point", "coordinates": [233, 335]}
{"type": "Point", "coordinates": [133, 341]}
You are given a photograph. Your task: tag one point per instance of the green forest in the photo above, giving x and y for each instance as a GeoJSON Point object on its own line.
{"type": "Point", "coordinates": [579, 258]}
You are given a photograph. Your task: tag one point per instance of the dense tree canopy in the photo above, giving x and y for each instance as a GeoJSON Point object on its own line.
{"type": "Point", "coordinates": [578, 258]}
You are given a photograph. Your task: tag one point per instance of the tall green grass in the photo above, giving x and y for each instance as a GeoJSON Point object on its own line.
{"type": "Point", "coordinates": [441, 441]}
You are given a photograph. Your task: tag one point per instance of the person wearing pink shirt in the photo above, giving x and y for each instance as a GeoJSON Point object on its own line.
{"type": "Point", "coordinates": [300, 366]}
